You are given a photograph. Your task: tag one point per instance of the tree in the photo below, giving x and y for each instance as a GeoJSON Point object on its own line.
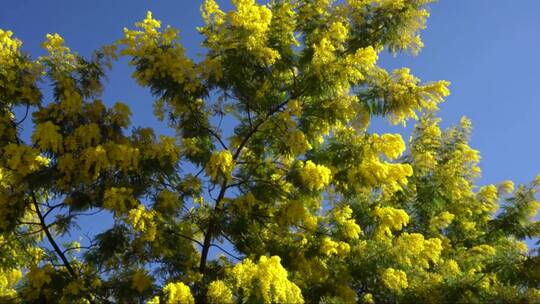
{"type": "Point", "coordinates": [297, 200]}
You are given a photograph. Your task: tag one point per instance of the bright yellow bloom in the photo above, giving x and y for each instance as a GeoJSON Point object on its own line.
{"type": "Point", "coordinates": [142, 220]}
{"type": "Point", "coordinates": [395, 280]}
{"type": "Point", "coordinates": [392, 145]}
{"type": "Point", "coordinates": [269, 277]}
{"type": "Point", "coordinates": [297, 142]}
{"type": "Point", "coordinates": [368, 299]}
{"type": "Point", "coordinates": [176, 293]}
{"type": "Point", "coordinates": [442, 220]}
{"type": "Point", "coordinates": [219, 292]}
{"type": "Point", "coordinates": [221, 164]}
{"type": "Point", "coordinates": [315, 177]}
{"type": "Point", "coordinates": [390, 218]}
{"type": "Point", "coordinates": [343, 217]}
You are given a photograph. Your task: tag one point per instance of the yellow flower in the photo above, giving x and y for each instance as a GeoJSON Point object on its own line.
{"type": "Point", "coordinates": [368, 299]}
{"type": "Point", "coordinates": [119, 200]}
{"type": "Point", "coordinates": [219, 292]}
{"type": "Point", "coordinates": [178, 293]}
{"type": "Point", "coordinates": [343, 218]}
{"type": "Point", "coordinates": [221, 164]}
{"type": "Point", "coordinates": [46, 136]}
{"type": "Point", "coordinates": [442, 220]}
{"type": "Point", "coordinates": [297, 142]}
{"type": "Point", "coordinates": [269, 277]}
{"type": "Point", "coordinates": [392, 145]}
{"type": "Point", "coordinates": [142, 220]}
{"type": "Point", "coordinates": [395, 280]}
{"type": "Point", "coordinates": [315, 177]}
{"type": "Point", "coordinates": [390, 218]}
{"type": "Point", "coordinates": [505, 187]}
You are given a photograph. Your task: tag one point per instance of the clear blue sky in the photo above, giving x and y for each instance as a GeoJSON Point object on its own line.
{"type": "Point", "coordinates": [488, 49]}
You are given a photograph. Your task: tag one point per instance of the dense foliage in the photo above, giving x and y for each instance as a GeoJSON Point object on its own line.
{"type": "Point", "coordinates": [272, 189]}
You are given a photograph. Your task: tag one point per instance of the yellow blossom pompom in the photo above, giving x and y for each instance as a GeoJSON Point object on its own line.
{"type": "Point", "coordinates": [442, 220]}
{"type": "Point", "coordinates": [505, 187]}
{"type": "Point", "coordinates": [297, 142]}
{"type": "Point", "coordinates": [315, 177]}
{"type": "Point", "coordinates": [8, 281]}
{"type": "Point", "coordinates": [142, 220]}
{"type": "Point", "coordinates": [395, 280]}
{"type": "Point", "coordinates": [392, 145]}
{"type": "Point", "coordinates": [176, 293]}
{"type": "Point", "coordinates": [450, 268]}
{"type": "Point", "coordinates": [219, 292]}
{"type": "Point", "coordinates": [348, 225]}
{"type": "Point", "coordinates": [266, 281]}
{"type": "Point", "coordinates": [390, 218]}
{"type": "Point", "coordinates": [368, 299]}
{"type": "Point", "coordinates": [220, 164]}
{"type": "Point", "coordinates": [154, 300]}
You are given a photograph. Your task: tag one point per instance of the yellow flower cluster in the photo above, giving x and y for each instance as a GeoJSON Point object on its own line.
{"type": "Point", "coordinates": [255, 20]}
{"type": "Point", "coordinates": [165, 150]}
{"type": "Point", "coordinates": [46, 137]}
{"type": "Point", "coordinates": [315, 177]}
{"type": "Point", "coordinates": [395, 280]}
{"type": "Point", "coordinates": [22, 159]}
{"type": "Point", "coordinates": [373, 172]}
{"type": "Point", "coordinates": [124, 157]}
{"type": "Point", "coordinates": [297, 142]}
{"type": "Point", "coordinates": [18, 76]}
{"type": "Point", "coordinates": [505, 187]}
{"type": "Point", "coordinates": [142, 220]}
{"type": "Point", "coordinates": [392, 145]}
{"type": "Point", "coordinates": [9, 48]}
{"type": "Point", "coordinates": [9, 279]}
{"type": "Point", "coordinates": [442, 220]}
{"type": "Point", "coordinates": [294, 212]}
{"type": "Point", "coordinates": [368, 299]}
{"type": "Point", "coordinates": [450, 268]}
{"type": "Point", "coordinates": [56, 48]}
{"type": "Point", "coordinates": [219, 293]}
{"type": "Point", "coordinates": [178, 293]}
{"type": "Point", "coordinates": [406, 96]}
{"type": "Point", "coordinates": [220, 164]}
{"type": "Point", "coordinates": [412, 248]}
{"type": "Point", "coordinates": [390, 219]}
{"type": "Point", "coordinates": [86, 136]}
{"type": "Point", "coordinates": [328, 57]}
{"type": "Point", "coordinates": [119, 200]}
{"type": "Point", "coordinates": [343, 217]}
{"type": "Point", "coordinates": [95, 161]}
{"type": "Point", "coordinates": [269, 277]}
{"type": "Point", "coordinates": [330, 247]}
{"type": "Point", "coordinates": [488, 198]}
{"type": "Point", "coordinates": [160, 62]}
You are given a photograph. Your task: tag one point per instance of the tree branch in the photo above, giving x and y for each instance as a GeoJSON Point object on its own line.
{"type": "Point", "coordinates": [50, 237]}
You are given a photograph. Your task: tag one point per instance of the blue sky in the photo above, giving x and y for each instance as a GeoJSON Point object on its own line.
{"type": "Point", "coordinates": [488, 49]}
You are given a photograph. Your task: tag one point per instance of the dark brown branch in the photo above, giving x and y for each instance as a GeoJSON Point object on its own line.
{"type": "Point", "coordinates": [50, 237]}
